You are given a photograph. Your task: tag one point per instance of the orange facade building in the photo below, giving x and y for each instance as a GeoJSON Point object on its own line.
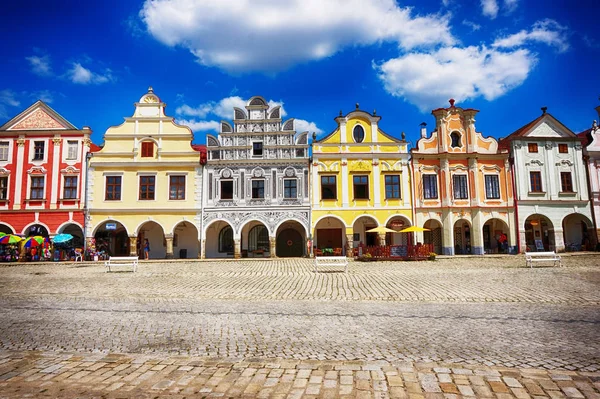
{"type": "Point", "coordinates": [463, 191]}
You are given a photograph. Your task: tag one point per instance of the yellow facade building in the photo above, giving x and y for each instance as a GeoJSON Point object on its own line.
{"type": "Point", "coordinates": [361, 180]}
{"type": "Point", "coordinates": [142, 186]}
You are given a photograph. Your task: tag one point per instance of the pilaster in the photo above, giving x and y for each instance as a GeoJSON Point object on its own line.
{"type": "Point", "coordinates": [169, 239]}
{"type": "Point", "coordinates": [273, 247]}
{"type": "Point", "coordinates": [133, 245]}
{"type": "Point", "coordinates": [237, 248]}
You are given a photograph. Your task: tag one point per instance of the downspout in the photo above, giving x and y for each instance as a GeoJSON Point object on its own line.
{"type": "Point", "coordinates": [512, 170]}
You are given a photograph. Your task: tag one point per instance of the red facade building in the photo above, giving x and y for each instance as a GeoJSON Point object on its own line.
{"type": "Point", "coordinates": [42, 174]}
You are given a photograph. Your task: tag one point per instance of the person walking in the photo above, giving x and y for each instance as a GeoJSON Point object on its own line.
{"type": "Point", "coordinates": [146, 249]}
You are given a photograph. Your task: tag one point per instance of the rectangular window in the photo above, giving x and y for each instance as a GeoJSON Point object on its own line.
{"type": "Point", "coordinates": [113, 188]}
{"type": "Point", "coordinates": [258, 189]}
{"type": "Point", "coordinates": [227, 189]}
{"type": "Point", "coordinates": [38, 150]}
{"type": "Point", "coordinates": [257, 149]}
{"type": "Point", "coordinates": [37, 188]}
{"type": "Point", "coordinates": [535, 178]}
{"type": "Point", "coordinates": [72, 147]}
{"type": "Point", "coordinates": [532, 147]}
{"type": "Point", "coordinates": [492, 187]}
{"type": "Point", "coordinates": [566, 183]}
{"type": "Point", "coordinates": [176, 187]}
{"type": "Point", "coordinates": [4, 150]}
{"type": "Point", "coordinates": [147, 187]}
{"type": "Point", "coordinates": [430, 187]}
{"type": "Point", "coordinates": [4, 188]}
{"type": "Point", "coordinates": [563, 148]}
{"type": "Point", "coordinates": [328, 188]}
{"type": "Point", "coordinates": [460, 186]}
{"type": "Point", "coordinates": [147, 149]}
{"type": "Point", "coordinates": [70, 189]}
{"type": "Point", "coordinates": [392, 186]}
{"type": "Point", "coordinates": [290, 189]}
{"type": "Point", "coordinates": [361, 187]}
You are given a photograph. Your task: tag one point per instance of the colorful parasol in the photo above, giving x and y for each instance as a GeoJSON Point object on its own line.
{"type": "Point", "coordinates": [61, 238]}
{"type": "Point", "coordinates": [35, 241]}
{"type": "Point", "coordinates": [10, 239]}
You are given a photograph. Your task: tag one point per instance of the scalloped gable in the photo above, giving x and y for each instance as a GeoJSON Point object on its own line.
{"type": "Point", "coordinates": [546, 128]}
{"type": "Point", "coordinates": [38, 116]}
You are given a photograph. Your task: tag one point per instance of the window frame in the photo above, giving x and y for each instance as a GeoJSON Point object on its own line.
{"type": "Point", "coordinates": [147, 150]}
{"type": "Point", "coordinates": [566, 182]}
{"type": "Point", "coordinates": [112, 187]}
{"type": "Point", "coordinates": [392, 185]}
{"type": "Point", "coordinates": [463, 186]}
{"type": "Point", "coordinates": [364, 133]}
{"type": "Point", "coordinates": [231, 244]}
{"type": "Point", "coordinates": [261, 149]}
{"type": "Point", "coordinates": [532, 148]}
{"type": "Point", "coordinates": [455, 139]}
{"type": "Point", "coordinates": [221, 182]}
{"type": "Point", "coordinates": [495, 182]}
{"type": "Point", "coordinates": [69, 188]}
{"type": "Point", "coordinates": [287, 191]}
{"type": "Point", "coordinates": [429, 179]}
{"type": "Point", "coordinates": [4, 181]}
{"type": "Point", "coordinates": [72, 145]}
{"type": "Point", "coordinates": [180, 189]}
{"type": "Point", "coordinates": [39, 190]}
{"type": "Point", "coordinates": [361, 185]}
{"type": "Point", "coordinates": [147, 185]}
{"type": "Point", "coordinates": [36, 150]}
{"type": "Point", "coordinates": [563, 148]}
{"type": "Point", "coordinates": [535, 182]}
{"type": "Point", "coordinates": [257, 191]}
{"type": "Point", "coordinates": [332, 187]}
{"type": "Point", "coordinates": [3, 145]}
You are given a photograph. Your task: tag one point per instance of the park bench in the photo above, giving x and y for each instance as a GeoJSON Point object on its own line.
{"type": "Point", "coordinates": [549, 256]}
{"type": "Point", "coordinates": [121, 261]}
{"type": "Point", "coordinates": [331, 261]}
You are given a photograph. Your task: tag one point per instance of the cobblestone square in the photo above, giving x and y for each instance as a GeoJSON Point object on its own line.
{"type": "Point", "coordinates": [461, 326]}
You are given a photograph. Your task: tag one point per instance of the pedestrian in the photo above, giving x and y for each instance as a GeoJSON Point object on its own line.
{"type": "Point", "coordinates": [503, 242]}
{"type": "Point", "coordinates": [146, 249]}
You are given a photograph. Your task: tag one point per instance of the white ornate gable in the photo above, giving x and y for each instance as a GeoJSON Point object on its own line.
{"type": "Point", "coordinates": [549, 129]}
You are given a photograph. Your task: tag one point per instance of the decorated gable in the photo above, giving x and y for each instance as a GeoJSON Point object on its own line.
{"type": "Point", "coordinates": [38, 117]}
{"type": "Point", "coordinates": [547, 128]}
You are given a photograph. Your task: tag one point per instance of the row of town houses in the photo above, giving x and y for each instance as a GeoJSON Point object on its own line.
{"type": "Point", "coordinates": [259, 188]}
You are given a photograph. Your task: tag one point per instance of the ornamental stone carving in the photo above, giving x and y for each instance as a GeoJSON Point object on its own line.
{"type": "Point", "coordinates": [38, 120]}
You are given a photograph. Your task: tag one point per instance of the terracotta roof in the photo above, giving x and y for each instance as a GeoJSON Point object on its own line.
{"type": "Point", "coordinates": [522, 131]}
{"type": "Point", "coordinates": [94, 147]}
{"type": "Point", "coordinates": [586, 137]}
{"type": "Point", "coordinates": [199, 147]}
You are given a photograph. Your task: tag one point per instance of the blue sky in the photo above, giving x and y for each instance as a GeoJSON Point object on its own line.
{"type": "Point", "coordinates": [92, 60]}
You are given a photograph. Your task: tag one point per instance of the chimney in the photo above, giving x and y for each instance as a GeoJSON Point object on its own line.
{"type": "Point", "coordinates": [544, 109]}
{"type": "Point", "coordinates": [423, 130]}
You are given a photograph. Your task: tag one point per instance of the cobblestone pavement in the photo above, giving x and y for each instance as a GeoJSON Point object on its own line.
{"type": "Point", "coordinates": [277, 329]}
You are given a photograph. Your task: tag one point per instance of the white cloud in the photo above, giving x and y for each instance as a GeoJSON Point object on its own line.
{"type": "Point", "coordinates": [474, 27]}
{"type": "Point", "coordinates": [44, 95]}
{"type": "Point", "coordinates": [81, 75]}
{"type": "Point", "coordinates": [200, 126]}
{"type": "Point", "coordinates": [40, 65]}
{"type": "Point", "coordinates": [272, 35]}
{"type": "Point", "coordinates": [429, 80]}
{"type": "Point", "coordinates": [222, 108]}
{"type": "Point", "coordinates": [511, 5]}
{"type": "Point", "coordinates": [7, 99]}
{"type": "Point", "coordinates": [300, 125]}
{"type": "Point", "coordinates": [489, 8]}
{"type": "Point", "coordinates": [546, 31]}
{"type": "Point", "coordinates": [446, 3]}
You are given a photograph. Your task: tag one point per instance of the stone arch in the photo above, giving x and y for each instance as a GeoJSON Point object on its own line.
{"type": "Point", "coordinates": [496, 236]}
{"type": "Point", "coordinates": [27, 229]}
{"type": "Point", "coordinates": [76, 230]}
{"type": "Point", "coordinates": [329, 232]}
{"type": "Point", "coordinates": [435, 235]}
{"type": "Point", "coordinates": [360, 225]}
{"type": "Point", "coordinates": [398, 222]}
{"type": "Point", "coordinates": [110, 239]}
{"type": "Point", "coordinates": [185, 240]}
{"type": "Point", "coordinates": [212, 247]}
{"type": "Point", "coordinates": [154, 232]}
{"type": "Point", "coordinates": [539, 232]}
{"type": "Point", "coordinates": [578, 232]}
{"type": "Point", "coordinates": [462, 231]}
{"type": "Point", "coordinates": [290, 239]}
{"type": "Point", "coordinates": [6, 228]}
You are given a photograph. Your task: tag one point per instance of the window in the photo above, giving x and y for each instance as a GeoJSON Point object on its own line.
{"type": "Point", "coordinates": [361, 187]}
{"type": "Point", "coordinates": [290, 189]}
{"type": "Point", "coordinates": [226, 239]}
{"type": "Point", "coordinates": [4, 188]}
{"type": "Point", "coordinates": [328, 188]}
{"type": "Point", "coordinates": [563, 148]}
{"type": "Point", "coordinates": [38, 150]}
{"type": "Point", "coordinates": [492, 187]}
{"type": "Point", "coordinates": [535, 178]}
{"type": "Point", "coordinates": [37, 188]}
{"type": "Point", "coordinates": [147, 187]}
{"type": "Point", "coordinates": [430, 186]}
{"type": "Point", "coordinates": [113, 188]}
{"type": "Point", "coordinates": [358, 134]}
{"type": "Point", "coordinates": [258, 238]}
{"type": "Point", "coordinates": [176, 187]}
{"type": "Point", "coordinates": [532, 147]}
{"type": "Point", "coordinates": [70, 189]}
{"type": "Point", "coordinates": [566, 183]}
{"type": "Point", "coordinates": [257, 149]}
{"type": "Point", "coordinates": [460, 186]}
{"type": "Point", "coordinates": [455, 137]}
{"type": "Point", "coordinates": [392, 186]}
{"type": "Point", "coordinates": [227, 189]}
{"type": "Point", "coordinates": [147, 149]}
{"type": "Point", "coordinates": [4, 150]}
{"type": "Point", "coordinates": [258, 189]}
{"type": "Point", "coordinates": [72, 149]}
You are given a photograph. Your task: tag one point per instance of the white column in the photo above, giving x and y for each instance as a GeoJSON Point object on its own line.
{"type": "Point", "coordinates": [19, 173]}
{"type": "Point", "coordinates": [373, 132]}
{"type": "Point", "coordinates": [376, 183]}
{"type": "Point", "coordinates": [552, 176]}
{"type": "Point", "coordinates": [344, 176]}
{"type": "Point", "coordinates": [343, 132]}
{"type": "Point", "coordinates": [55, 169]}
{"type": "Point", "coordinates": [406, 187]}
{"type": "Point", "coordinates": [580, 177]}
{"type": "Point", "coordinates": [316, 185]}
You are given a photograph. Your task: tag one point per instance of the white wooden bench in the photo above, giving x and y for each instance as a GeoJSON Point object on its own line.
{"type": "Point", "coordinates": [121, 261]}
{"type": "Point", "coordinates": [331, 261]}
{"type": "Point", "coordinates": [549, 256]}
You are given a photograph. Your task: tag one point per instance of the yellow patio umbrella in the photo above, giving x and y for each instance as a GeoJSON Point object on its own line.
{"type": "Point", "coordinates": [381, 230]}
{"type": "Point", "coordinates": [413, 229]}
